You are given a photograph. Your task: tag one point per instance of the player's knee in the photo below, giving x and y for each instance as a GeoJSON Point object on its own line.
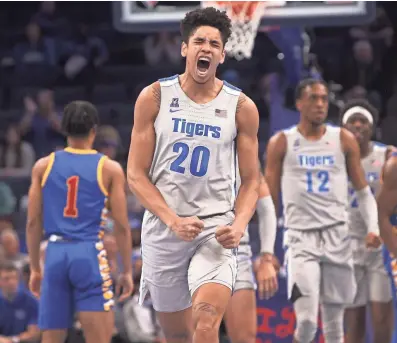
{"type": "Point", "coordinates": [306, 328]}
{"type": "Point", "coordinates": [333, 323]}
{"type": "Point", "coordinates": [206, 320]}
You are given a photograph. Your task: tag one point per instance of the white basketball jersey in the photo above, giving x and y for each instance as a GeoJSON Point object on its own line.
{"type": "Point", "coordinates": [314, 181]}
{"type": "Point", "coordinates": [372, 165]}
{"type": "Point", "coordinates": [194, 163]}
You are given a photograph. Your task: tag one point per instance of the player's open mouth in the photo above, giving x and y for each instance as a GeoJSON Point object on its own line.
{"type": "Point", "coordinates": [203, 64]}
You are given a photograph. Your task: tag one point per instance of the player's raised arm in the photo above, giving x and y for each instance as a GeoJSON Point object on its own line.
{"type": "Point", "coordinates": [387, 202]}
{"type": "Point", "coordinates": [34, 225]}
{"type": "Point", "coordinates": [118, 208]}
{"type": "Point", "coordinates": [276, 149]}
{"type": "Point", "coordinates": [247, 119]}
{"type": "Point", "coordinates": [365, 198]}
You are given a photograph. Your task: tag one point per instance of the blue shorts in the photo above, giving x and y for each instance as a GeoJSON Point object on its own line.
{"type": "Point", "coordinates": [391, 268]}
{"type": "Point", "coordinates": [76, 279]}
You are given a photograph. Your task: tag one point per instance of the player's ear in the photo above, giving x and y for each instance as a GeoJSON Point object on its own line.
{"type": "Point", "coordinates": [184, 49]}
{"type": "Point", "coordinates": [223, 55]}
{"type": "Point", "coordinates": [298, 105]}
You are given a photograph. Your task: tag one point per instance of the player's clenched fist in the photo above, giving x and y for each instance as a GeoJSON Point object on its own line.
{"type": "Point", "coordinates": [187, 228]}
{"type": "Point", "coordinates": [228, 236]}
{"type": "Point", "coordinates": [373, 240]}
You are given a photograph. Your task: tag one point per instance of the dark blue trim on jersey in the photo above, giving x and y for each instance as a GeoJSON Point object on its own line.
{"type": "Point", "coordinates": [394, 154]}
{"type": "Point", "coordinates": [331, 124]}
{"type": "Point", "coordinates": [173, 77]}
{"type": "Point", "coordinates": [227, 84]}
{"type": "Point", "coordinates": [379, 144]}
{"type": "Point", "coordinates": [289, 127]}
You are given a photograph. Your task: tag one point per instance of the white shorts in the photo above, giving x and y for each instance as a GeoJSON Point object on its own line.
{"type": "Point", "coordinates": [320, 263]}
{"type": "Point", "coordinates": [373, 284]}
{"type": "Point", "coordinates": [173, 269]}
{"type": "Point", "coordinates": [245, 274]}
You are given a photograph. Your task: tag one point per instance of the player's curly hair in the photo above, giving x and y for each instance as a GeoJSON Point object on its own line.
{"type": "Point", "coordinates": [79, 118]}
{"type": "Point", "coordinates": [361, 103]}
{"type": "Point", "coordinates": [208, 16]}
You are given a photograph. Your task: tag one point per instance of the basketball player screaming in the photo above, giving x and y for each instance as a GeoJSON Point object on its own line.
{"type": "Point", "coordinates": [182, 166]}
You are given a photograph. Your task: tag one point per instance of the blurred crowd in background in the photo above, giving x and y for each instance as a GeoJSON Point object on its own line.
{"type": "Point", "coordinates": [52, 53]}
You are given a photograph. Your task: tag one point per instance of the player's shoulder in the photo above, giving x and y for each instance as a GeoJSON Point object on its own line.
{"type": "Point", "coordinates": [390, 169]}
{"type": "Point", "coordinates": [151, 91]}
{"type": "Point", "coordinates": [391, 152]}
{"type": "Point", "coordinates": [42, 164]}
{"type": "Point", "coordinates": [245, 104]}
{"type": "Point", "coordinates": [113, 168]}
{"type": "Point", "coordinates": [346, 136]}
{"type": "Point", "coordinates": [148, 102]}
{"type": "Point", "coordinates": [278, 142]}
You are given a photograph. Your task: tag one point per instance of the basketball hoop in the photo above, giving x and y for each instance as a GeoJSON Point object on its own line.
{"type": "Point", "coordinates": [245, 17]}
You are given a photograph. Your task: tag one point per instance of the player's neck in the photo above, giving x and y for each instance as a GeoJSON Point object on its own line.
{"type": "Point", "coordinates": [310, 131]}
{"type": "Point", "coordinates": [79, 144]}
{"type": "Point", "coordinates": [365, 149]}
{"type": "Point", "coordinates": [200, 92]}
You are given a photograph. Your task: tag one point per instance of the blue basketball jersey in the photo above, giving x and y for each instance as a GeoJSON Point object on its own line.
{"type": "Point", "coordinates": [74, 198]}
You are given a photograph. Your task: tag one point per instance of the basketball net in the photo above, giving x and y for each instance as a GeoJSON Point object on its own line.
{"type": "Point", "coordinates": [245, 17]}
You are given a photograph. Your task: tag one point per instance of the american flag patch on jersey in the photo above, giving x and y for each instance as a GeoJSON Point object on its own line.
{"type": "Point", "coordinates": [221, 113]}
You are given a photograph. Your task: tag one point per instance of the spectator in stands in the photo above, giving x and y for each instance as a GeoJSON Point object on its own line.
{"type": "Point", "coordinates": [42, 122]}
{"type": "Point", "coordinates": [108, 141]}
{"type": "Point", "coordinates": [86, 55]}
{"type": "Point", "coordinates": [8, 203]}
{"type": "Point", "coordinates": [51, 22]}
{"type": "Point", "coordinates": [10, 243]}
{"type": "Point", "coordinates": [18, 309]}
{"type": "Point", "coordinates": [16, 156]}
{"type": "Point", "coordinates": [380, 29]}
{"type": "Point", "coordinates": [163, 48]}
{"type": "Point", "coordinates": [361, 69]}
{"type": "Point", "coordinates": [36, 50]}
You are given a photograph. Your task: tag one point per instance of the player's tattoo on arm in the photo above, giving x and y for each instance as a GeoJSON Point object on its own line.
{"type": "Point", "coordinates": [205, 307]}
{"type": "Point", "coordinates": [241, 100]}
{"type": "Point", "coordinates": [156, 91]}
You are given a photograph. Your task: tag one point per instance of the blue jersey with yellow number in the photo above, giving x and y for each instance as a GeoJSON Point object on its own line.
{"type": "Point", "coordinates": [74, 197]}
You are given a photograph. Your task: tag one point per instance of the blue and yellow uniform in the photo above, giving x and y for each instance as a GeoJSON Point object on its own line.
{"type": "Point", "coordinates": [76, 272]}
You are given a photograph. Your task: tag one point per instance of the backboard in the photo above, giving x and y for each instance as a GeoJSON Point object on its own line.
{"type": "Point", "coordinates": [154, 16]}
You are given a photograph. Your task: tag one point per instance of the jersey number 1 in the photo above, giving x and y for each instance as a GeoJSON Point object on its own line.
{"type": "Point", "coordinates": [70, 210]}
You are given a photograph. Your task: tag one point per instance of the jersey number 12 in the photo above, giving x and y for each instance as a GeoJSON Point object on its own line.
{"type": "Point", "coordinates": [321, 178]}
{"type": "Point", "coordinates": [70, 210]}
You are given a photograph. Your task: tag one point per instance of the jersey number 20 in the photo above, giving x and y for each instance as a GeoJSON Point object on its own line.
{"type": "Point", "coordinates": [322, 179]}
{"type": "Point", "coordinates": [198, 162]}
{"type": "Point", "coordinates": [70, 210]}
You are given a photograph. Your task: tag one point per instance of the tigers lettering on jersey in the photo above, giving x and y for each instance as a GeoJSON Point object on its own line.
{"type": "Point", "coordinates": [316, 161]}
{"type": "Point", "coordinates": [196, 129]}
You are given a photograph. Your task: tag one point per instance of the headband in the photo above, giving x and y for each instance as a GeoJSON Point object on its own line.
{"type": "Point", "coordinates": [357, 109]}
